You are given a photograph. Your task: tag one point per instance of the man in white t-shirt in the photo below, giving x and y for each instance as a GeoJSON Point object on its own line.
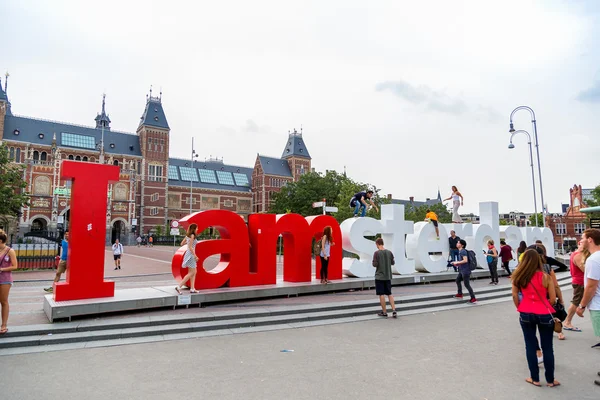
{"type": "Point", "coordinates": [117, 249]}
{"type": "Point", "coordinates": [591, 294]}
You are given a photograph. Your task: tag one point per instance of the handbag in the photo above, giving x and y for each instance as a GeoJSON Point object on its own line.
{"type": "Point", "coordinates": [557, 322]}
{"type": "Point", "coordinates": [560, 313]}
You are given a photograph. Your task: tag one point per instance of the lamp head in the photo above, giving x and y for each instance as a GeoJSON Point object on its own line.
{"type": "Point", "coordinates": [511, 146]}
{"type": "Point", "coordinates": [512, 128]}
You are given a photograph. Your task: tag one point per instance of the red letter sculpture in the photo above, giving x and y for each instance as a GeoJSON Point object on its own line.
{"type": "Point", "coordinates": [233, 248]}
{"type": "Point", "coordinates": [85, 274]}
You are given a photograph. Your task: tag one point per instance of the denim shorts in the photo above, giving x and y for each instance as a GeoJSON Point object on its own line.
{"type": "Point", "coordinates": [6, 283]}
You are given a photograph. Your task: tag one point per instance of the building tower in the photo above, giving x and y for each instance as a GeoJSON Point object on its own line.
{"type": "Point", "coordinates": [153, 133]}
{"type": "Point", "coordinates": [296, 154]}
{"type": "Point", "coordinates": [102, 120]}
{"type": "Point", "coordinates": [4, 105]}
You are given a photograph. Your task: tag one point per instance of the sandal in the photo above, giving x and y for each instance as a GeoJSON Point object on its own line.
{"type": "Point", "coordinates": [530, 381]}
{"type": "Point", "coordinates": [561, 336]}
{"type": "Point", "coordinates": [571, 328]}
{"type": "Point", "coordinates": [3, 331]}
{"type": "Point", "coordinates": [382, 314]}
{"type": "Point", "coordinates": [177, 289]}
{"type": "Point", "coordinates": [554, 384]}
{"type": "Point", "coordinates": [194, 291]}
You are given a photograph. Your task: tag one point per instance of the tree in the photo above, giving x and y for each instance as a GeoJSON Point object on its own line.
{"type": "Point", "coordinates": [417, 214]}
{"type": "Point", "coordinates": [297, 197]}
{"type": "Point", "coordinates": [12, 185]}
{"type": "Point", "coordinates": [503, 222]}
{"type": "Point", "coordinates": [594, 202]}
{"type": "Point", "coordinates": [540, 219]}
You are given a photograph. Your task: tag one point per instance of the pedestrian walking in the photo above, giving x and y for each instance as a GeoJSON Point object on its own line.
{"type": "Point", "coordinates": [464, 272]}
{"type": "Point", "coordinates": [591, 294]}
{"type": "Point", "coordinates": [492, 262]}
{"type": "Point", "coordinates": [457, 201]}
{"type": "Point", "coordinates": [506, 256]}
{"type": "Point", "coordinates": [190, 260]}
{"type": "Point", "coordinates": [535, 311]}
{"type": "Point", "coordinates": [521, 250]}
{"type": "Point", "coordinates": [62, 264]}
{"type": "Point", "coordinates": [359, 203]}
{"type": "Point", "coordinates": [559, 304]}
{"type": "Point", "coordinates": [577, 267]}
{"type": "Point", "coordinates": [117, 249]}
{"type": "Point", "coordinates": [452, 241]}
{"type": "Point", "coordinates": [151, 240]}
{"type": "Point", "coordinates": [139, 241]}
{"type": "Point", "coordinates": [326, 243]}
{"type": "Point", "coordinates": [432, 217]}
{"type": "Point", "coordinates": [383, 260]}
{"type": "Point", "coordinates": [8, 263]}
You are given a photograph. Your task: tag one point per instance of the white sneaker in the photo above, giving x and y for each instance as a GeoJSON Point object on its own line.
{"type": "Point", "coordinates": [540, 360]}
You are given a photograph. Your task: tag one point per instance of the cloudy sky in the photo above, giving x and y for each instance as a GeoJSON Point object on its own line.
{"type": "Point", "coordinates": [408, 95]}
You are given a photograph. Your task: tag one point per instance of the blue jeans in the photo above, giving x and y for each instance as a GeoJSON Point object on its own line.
{"type": "Point", "coordinates": [454, 257]}
{"type": "Point", "coordinates": [358, 207]}
{"type": "Point", "coordinates": [530, 323]}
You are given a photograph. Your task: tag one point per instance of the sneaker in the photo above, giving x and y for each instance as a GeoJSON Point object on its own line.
{"type": "Point", "coordinates": [596, 346]}
{"type": "Point", "coordinates": [437, 238]}
{"type": "Point", "coordinates": [49, 289]}
{"type": "Point", "coordinates": [458, 296]}
{"type": "Point", "coordinates": [492, 283]}
{"type": "Point", "coordinates": [116, 268]}
{"type": "Point", "coordinates": [473, 301]}
{"type": "Point", "coordinates": [597, 382]}
{"type": "Point", "coordinates": [495, 283]}
{"type": "Point", "coordinates": [355, 216]}
{"type": "Point", "coordinates": [540, 359]}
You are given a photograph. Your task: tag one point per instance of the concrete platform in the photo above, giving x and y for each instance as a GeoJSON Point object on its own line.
{"type": "Point", "coordinates": [166, 296]}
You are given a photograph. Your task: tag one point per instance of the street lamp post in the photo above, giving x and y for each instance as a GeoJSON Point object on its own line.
{"type": "Point", "coordinates": [537, 150]}
{"type": "Point", "coordinates": [512, 146]}
{"type": "Point", "coordinates": [192, 161]}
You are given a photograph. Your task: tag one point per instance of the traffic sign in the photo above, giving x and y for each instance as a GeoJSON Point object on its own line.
{"type": "Point", "coordinates": [595, 223]}
{"type": "Point", "coordinates": [174, 224]}
{"type": "Point", "coordinates": [174, 231]}
{"type": "Point", "coordinates": [318, 204]}
{"type": "Point", "coordinates": [331, 209]}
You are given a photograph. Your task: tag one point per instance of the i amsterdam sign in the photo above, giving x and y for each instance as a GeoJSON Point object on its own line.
{"type": "Point", "coordinates": [249, 251]}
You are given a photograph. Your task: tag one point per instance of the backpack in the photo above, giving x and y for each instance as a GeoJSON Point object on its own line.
{"type": "Point", "coordinates": [472, 260]}
{"type": "Point", "coordinates": [317, 248]}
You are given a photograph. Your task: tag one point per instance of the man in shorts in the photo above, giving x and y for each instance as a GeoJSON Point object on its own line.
{"type": "Point", "coordinates": [590, 240]}
{"type": "Point", "coordinates": [117, 249]}
{"type": "Point", "coordinates": [577, 281]}
{"type": "Point", "coordinates": [383, 260]}
{"type": "Point", "coordinates": [431, 216]}
{"type": "Point", "coordinates": [62, 264]}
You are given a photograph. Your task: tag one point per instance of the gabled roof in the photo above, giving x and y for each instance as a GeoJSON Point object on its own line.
{"type": "Point", "coordinates": [295, 146]}
{"type": "Point", "coordinates": [214, 166]}
{"type": "Point", "coordinates": [28, 130]}
{"type": "Point", "coordinates": [154, 115]}
{"type": "Point", "coordinates": [275, 166]}
{"type": "Point", "coordinates": [415, 204]}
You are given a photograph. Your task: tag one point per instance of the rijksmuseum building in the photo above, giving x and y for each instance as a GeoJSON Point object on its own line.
{"type": "Point", "coordinates": [153, 188]}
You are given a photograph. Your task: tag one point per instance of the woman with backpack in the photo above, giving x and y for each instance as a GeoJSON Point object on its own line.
{"type": "Point", "coordinates": [535, 310]}
{"type": "Point", "coordinates": [325, 253]}
{"type": "Point", "coordinates": [492, 262]}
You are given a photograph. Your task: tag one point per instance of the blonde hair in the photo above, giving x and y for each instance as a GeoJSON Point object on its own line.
{"type": "Point", "coordinates": [491, 241]}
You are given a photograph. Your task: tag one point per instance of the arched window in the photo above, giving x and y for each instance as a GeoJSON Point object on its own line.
{"type": "Point", "coordinates": [78, 158]}
{"type": "Point", "coordinates": [12, 153]}
{"type": "Point", "coordinates": [18, 155]}
{"type": "Point", "coordinates": [116, 163]}
{"type": "Point", "coordinates": [43, 156]}
{"type": "Point", "coordinates": [71, 157]}
{"type": "Point", "coordinates": [36, 156]}
{"type": "Point", "coordinates": [84, 158]}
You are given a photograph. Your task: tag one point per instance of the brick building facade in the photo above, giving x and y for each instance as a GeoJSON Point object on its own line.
{"type": "Point", "coordinates": [569, 226]}
{"type": "Point", "coordinates": [153, 188]}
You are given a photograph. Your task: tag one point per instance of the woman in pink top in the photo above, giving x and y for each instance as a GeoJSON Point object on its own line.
{"type": "Point", "coordinates": [535, 309]}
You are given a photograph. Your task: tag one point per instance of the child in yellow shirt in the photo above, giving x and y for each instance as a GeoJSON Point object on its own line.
{"type": "Point", "coordinates": [431, 216]}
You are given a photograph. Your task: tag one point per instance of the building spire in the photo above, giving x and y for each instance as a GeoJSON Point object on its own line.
{"type": "Point", "coordinates": [6, 83]}
{"type": "Point", "coordinates": [102, 120]}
